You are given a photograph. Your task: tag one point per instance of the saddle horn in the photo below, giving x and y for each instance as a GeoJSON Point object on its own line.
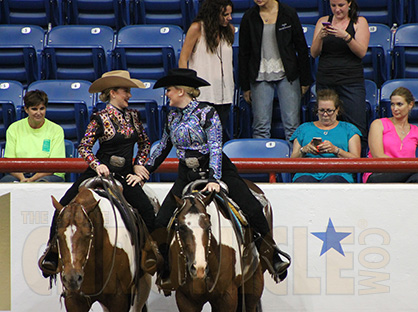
{"type": "Point", "coordinates": [197, 185]}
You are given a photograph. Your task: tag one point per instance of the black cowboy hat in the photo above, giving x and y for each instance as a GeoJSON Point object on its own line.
{"type": "Point", "coordinates": [181, 77]}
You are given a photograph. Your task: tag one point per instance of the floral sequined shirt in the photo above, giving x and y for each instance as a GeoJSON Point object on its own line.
{"type": "Point", "coordinates": [117, 132]}
{"type": "Point", "coordinates": [195, 131]}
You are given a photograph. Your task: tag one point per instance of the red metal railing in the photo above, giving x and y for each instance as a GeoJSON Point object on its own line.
{"type": "Point", "coordinates": [244, 165]}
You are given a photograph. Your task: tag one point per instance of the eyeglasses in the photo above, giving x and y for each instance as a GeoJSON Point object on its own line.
{"type": "Point", "coordinates": [328, 111]}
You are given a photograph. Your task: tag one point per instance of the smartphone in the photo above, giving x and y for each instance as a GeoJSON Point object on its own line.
{"type": "Point", "coordinates": [326, 24]}
{"type": "Point", "coordinates": [316, 141]}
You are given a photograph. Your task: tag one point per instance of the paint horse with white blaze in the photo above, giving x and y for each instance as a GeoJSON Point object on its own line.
{"type": "Point", "coordinates": [97, 256]}
{"type": "Point", "coordinates": [209, 263]}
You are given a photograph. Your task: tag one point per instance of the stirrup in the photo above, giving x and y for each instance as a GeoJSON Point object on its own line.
{"type": "Point", "coordinates": [47, 266]}
{"type": "Point", "coordinates": [151, 259]}
{"type": "Point", "coordinates": [164, 285]}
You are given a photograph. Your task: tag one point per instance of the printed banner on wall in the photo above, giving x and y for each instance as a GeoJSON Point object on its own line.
{"type": "Point", "coordinates": [353, 248]}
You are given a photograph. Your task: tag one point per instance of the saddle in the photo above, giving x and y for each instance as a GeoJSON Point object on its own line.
{"type": "Point", "coordinates": [231, 211]}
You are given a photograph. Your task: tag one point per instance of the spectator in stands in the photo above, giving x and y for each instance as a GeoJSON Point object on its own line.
{"type": "Point", "coordinates": [117, 128]}
{"type": "Point", "coordinates": [34, 137]}
{"type": "Point", "coordinates": [394, 137]}
{"type": "Point", "coordinates": [326, 138]}
{"type": "Point", "coordinates": [341, 41]}
{"type": "Point", "coordinates": [273, 54]}
{"type": "Point", "coordinates": [194, 129]}
{"type": "Point", "coordinates": [207, 49]}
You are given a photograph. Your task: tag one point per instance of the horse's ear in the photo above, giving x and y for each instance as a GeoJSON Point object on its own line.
{"type": "Point", "coordinates": [56, 204]}
{"type": "Point", "coordinates": [208, 199]}
{"type": "Point", "coordinates": [179, 201]}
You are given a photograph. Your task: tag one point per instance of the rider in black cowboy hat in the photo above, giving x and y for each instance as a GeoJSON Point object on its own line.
{"type": "Point", "coordinates": [194, 129]}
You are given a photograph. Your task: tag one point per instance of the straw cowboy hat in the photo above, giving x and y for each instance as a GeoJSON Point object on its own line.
{"type": "Point", "coordinates": [181, 77]}
{"type": "Point", "coordinates": [115, 78]}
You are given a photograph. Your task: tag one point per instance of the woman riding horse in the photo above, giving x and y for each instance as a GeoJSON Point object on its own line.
{"type": "Point", "coordinates": [195, 130]}
{"type": "Point", "coordinates": [118, 129]}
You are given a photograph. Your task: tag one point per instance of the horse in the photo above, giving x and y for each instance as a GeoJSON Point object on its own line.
{"type": "Point", "coordinates": [98, 256]}
{"type": "Point", "coordinates": [205, 266]}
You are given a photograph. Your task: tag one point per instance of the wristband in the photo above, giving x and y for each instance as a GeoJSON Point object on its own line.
{"type": "Point", "coordinates": [349, 40]}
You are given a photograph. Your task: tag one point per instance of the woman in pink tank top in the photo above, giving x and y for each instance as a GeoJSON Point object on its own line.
{"type": "Point", "coordinates": [394, 137]}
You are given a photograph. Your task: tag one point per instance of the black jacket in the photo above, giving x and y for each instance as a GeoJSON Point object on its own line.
{"type": "Point", "coordinates": [290, 40]}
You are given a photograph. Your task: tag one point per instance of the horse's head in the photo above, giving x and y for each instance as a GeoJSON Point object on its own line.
{"type": "Point", "coordinates": [193, 232]}
{"type": "Point", "coordinates": [75, 236]}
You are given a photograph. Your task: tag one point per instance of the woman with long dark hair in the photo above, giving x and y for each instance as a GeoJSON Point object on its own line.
{"type": "Point", "coordinates": [207, 49]}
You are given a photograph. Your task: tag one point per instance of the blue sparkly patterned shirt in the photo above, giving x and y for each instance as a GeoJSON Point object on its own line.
{"type": "Point", "coordinates": [195, 131]}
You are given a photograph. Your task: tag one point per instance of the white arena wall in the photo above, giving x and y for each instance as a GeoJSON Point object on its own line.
{"type": "Point", "coordinates": [354, 247]}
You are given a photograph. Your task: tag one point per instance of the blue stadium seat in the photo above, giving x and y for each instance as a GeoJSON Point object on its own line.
{"type": "Point", "coordinates": [309, 11]}
{"type": "Point", "coordinates": [240, 6]}
{"type": "Point", "coordinates": [411, 11]}
{"type": "Point", "coordinates": [44, 13]}
{"type": "Point", "coordinates": [21, 52]}
{"type": "Point", "coordinates": [259, 148]}
{"type": "Point", "coordinates": [148, 102]}
{"type": "Point", "coordinates": [11, 95]}
{"type": "Point", "coordinates": [382, 11]}
{"type": "Point", "coordinates": [70, 105]}
{"type": "Point", "coordinates": [309, 30]}
{"type": "Point", "coordinates": [70, 152]}
{"type": "Point", "coordinates": [372, 101]}
{"type": "Point", "coordinates": [377, 61]}
{"type": "Point", "coordinates": [163, 177]}
{"type": "Point", "coordinates": [235, 50]}
{"type": "Point", "coordinates": [78, 52]}
{"type": "Point", "coordinates": [148, 51]}
{"type": "Point", "coordinates": [111, 13]}
{"type": "Point", "coordinates": [386, 91]}
{"type": "Point", "coordinates": [244, 119]}
{"type": "Point", "coordinates": [172, 12]}
{"type": "Point", "coordinates": [405, 51]}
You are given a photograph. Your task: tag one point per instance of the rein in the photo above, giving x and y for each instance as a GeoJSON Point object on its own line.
{"type": "Point", "coordinates": [182, 280]}
{"type": "Point", "coordinates": [87, 296]}
{"type": "Point", "coordinates": [114, 247]}
{"type": "Point", "coordinates": [90, 238]}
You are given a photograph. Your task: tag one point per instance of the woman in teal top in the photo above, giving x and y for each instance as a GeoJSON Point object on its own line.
{"type": "Point", "coordinates": [326, 138]}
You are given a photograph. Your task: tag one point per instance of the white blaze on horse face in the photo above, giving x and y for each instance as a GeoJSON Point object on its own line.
{"type": "Point", "coordinates": [192, 222]}
{"type": "Point", "coordinates": [69, 233]}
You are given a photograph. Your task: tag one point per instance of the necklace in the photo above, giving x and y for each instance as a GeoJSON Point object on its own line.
{"type": "Point", "coordinates": [325, 132]}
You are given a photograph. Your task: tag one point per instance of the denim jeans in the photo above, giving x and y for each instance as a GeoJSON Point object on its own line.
{"type": "Point", "coordinates": [262, 95]}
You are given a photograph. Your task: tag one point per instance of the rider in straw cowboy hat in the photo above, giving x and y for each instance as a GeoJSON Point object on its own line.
{"type": "Point", "coordinates": [117, 128]}
{"type": "Point", "coordinates": [194, 129]}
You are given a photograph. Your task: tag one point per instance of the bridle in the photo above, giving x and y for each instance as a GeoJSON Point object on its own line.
{"type": "Point", "coordinates": [88, 296]}
{"type": "Point", "coordinates": [90, 238]}
{"type": "Point", "coordinates": [182, 253]}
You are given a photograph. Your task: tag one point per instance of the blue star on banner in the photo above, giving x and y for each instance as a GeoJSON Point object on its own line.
{"type": "Point", "coordinates": [331, 239]}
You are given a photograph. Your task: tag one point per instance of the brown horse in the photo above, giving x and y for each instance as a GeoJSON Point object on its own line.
{"type": "Point", "coordinates": [97, 256]}
{"type": "Point", "coordinates": [207, 265]}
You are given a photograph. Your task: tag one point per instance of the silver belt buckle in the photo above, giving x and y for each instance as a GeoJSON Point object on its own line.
{"type": "Point", "coordinates": [192, 162]}
{"type": "Point", "coordinates": [117, 161]}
